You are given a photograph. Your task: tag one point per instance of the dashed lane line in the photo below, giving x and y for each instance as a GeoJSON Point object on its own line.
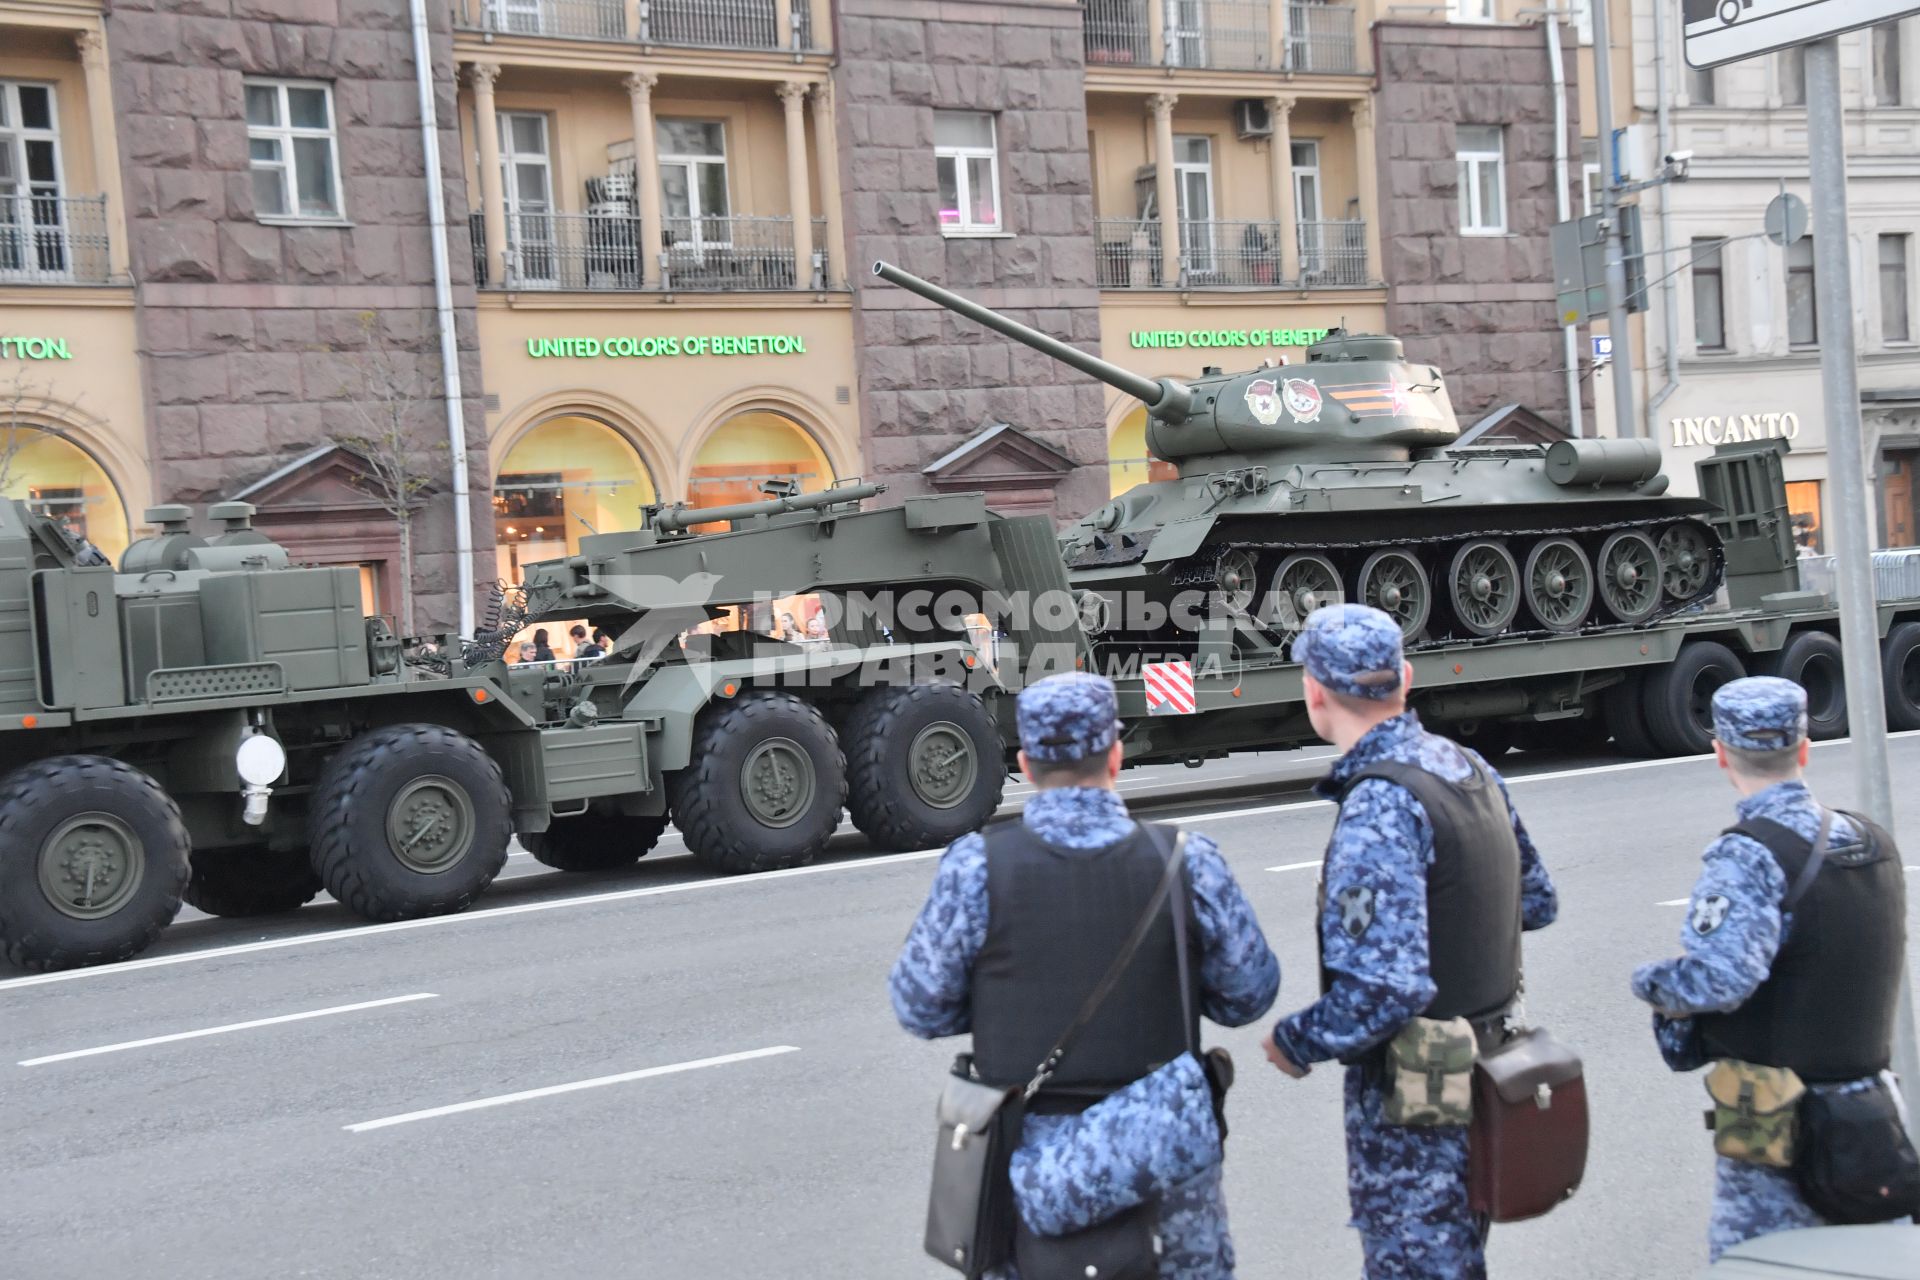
{"type": "Point", "coordinates": [1295, 866]}
{"type": "Point", "coordinates": [548, 1091]}
{"type": "Point", "coordinates": [231, 1026]}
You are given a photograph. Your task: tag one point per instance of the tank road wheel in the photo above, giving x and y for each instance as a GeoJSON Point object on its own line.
{"type": "Point", "coordinates": [1812, 660]}
{"type": "Point", "coordinates": [595, 840]}
{"type": "Point", "coordinates": [1679, 696]}
{"type": "Point", "coordinates": [1394, 582]}
{"type": "Point", "coordinates": [1303, 582]}
{"type": "Point", "coordinates": [1630, 576]}
{"type": "Point", "coordinates": [251, 881]}
{"type": "Point", "coordinates": [1237, 578]}
{"type": "Point", "coordinates": [93, 858]}
{"type": "Point", "coordinates": [764, 786]}
{"type": "Point", "coordinates": [1559, 581]}
{"type": "Point", "coordinates": [1686, 558]}
{"type": "Point", "coordinates": [924, 765]}
{"type": "Point", "coordinates": [409, 820]}
{"type": "Point", "coordinates": [1483, 585]}
{"type": "Point", "coordinates": [1623, 709]}
{"type": "Point", "coordinates": [1900, 671]}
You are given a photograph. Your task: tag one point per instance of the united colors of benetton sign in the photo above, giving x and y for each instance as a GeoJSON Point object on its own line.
{"type": "Point", "coordinates": [1720, 31]}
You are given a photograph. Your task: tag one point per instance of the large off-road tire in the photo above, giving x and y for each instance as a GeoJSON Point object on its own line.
{"type": "Point", "coordinates": [596, 840]}
{"type": "Point", "coordinates": [1900, 675]}
{"type": "Point", "coordinates": [409, 820]}
{"type": "Point", "coordinates": [924, 765]}
{"type": "Point", "coordinates": [1812, 660]}
{"type": "Point", "coordinates": [765, 784]}
{"type": "Point", "coordinates": [251, 881]}
{"type": "Point", "coordinates": [1623, 710]}
{"type": "Point", "coordinates": [93, 859]}
{"type": "Point", "coordinates": [1679, 696]}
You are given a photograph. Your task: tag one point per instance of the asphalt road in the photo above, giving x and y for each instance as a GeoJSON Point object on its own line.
{"type": "Point", "coordinates": [747, 1106]}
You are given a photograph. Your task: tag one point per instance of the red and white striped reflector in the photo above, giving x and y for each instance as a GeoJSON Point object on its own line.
{"type": "Point", "coordinates": [1169, 688]}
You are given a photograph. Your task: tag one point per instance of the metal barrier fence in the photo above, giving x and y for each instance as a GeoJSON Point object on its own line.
{"type": "Point", "coordinates": [1320, 38]}
{"type": "Point", "coordinates": [53, 240]}
{"type": "Point", "coordinates": [1129, 252]}
{"type": "Point", "coordinates": [1333, 252]}
{"type": "Point", "coordinates": [1896, 574]}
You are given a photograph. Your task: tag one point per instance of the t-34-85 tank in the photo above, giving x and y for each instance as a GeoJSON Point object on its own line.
{"type": "Point", "coordinates": [1343, 478]}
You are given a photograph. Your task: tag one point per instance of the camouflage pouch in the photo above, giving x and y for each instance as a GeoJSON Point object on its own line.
{"type": "Point", "coordinates": [1430, 1073]}
{"type": "Point", "coordinates": [1755, 1113]}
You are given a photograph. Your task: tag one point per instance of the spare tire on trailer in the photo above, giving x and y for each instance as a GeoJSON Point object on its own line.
{"type": "Point", "coordinates": [409, 820]}
{"type": "Point", "coordinates": [93, 859]}
{"type": "Point", "coordinates": [924, 765]}
{"type": "Point", "coordinates": [1900, 675]}
{"type": "Point", "coordinates": [1812, 660]}
{"type": "Point", "coordinates": [1623, 711]}
{"type": "Point", "coordinates": [251, 881]}
{"type": "Point", "coordinates": [1679, 696]}
{"type": "Point", "coordinates": [597, 840]}
{"type": "Point", "coordinates": [764, 786]}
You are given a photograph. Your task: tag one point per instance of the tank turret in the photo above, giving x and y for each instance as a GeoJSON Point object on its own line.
{"type": "Point", "coordinates": [1344, 477]}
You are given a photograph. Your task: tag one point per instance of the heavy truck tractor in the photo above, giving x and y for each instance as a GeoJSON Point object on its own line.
{"type": "Point", "coordinates": [1344, 478]}
{"type": "Point", "coordinates": [752, 744]}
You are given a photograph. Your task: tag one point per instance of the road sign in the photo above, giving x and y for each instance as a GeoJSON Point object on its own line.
{"type": "Point", "coordinates": [1602, 348]}
{"type": "Point", "coordinates": [1720, 31]}
{"type": "Point", "coordinates": [1786, 219]}
{"type": "Point", "coordinates": [1580, 265]}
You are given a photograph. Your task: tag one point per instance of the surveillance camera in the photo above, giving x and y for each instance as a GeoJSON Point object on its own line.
{"type": "Point", "coordinates": [1678, 159]}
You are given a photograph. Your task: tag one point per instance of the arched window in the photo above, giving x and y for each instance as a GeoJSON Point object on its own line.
{"type": "Point", "coordinates": [60, 479]}
{"type": "Point", "coordinates": [568, 477]}
{"type": "Point", "coordinates": [750, 449]}
{"type": "Point", "coordinates": [1128, 462]}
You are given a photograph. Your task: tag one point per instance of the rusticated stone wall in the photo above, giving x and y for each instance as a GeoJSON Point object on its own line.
{"type": "Point", "coordinates": [253, 336]}
{"type": "Point", "coordinates": [928, 379]}
{"type": "Point", "coordinates": [1479, 307]}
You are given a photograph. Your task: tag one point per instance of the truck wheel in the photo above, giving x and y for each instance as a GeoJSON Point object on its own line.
{"type": "Point", "coordinates": [764, 786]}
{"type": "Point", "coordinates": [1623, 710]}
{"type": "Point", "coordinates": [595, 841]}
{"type": "Point", "coordinates": [93, 858]}
{"type": "Point", "coordinates": [1900, 673]}
{"type": "Point", "coordinates": [924, 766]}
{"type": "Point", "coordinates": [1811, 659]}
{"type": "Point", "coordinates": [251, 881]}
{"type": "Point", "coordinates": [1679, 696]}
{"type": "Point", "coordinates": [409, 820]}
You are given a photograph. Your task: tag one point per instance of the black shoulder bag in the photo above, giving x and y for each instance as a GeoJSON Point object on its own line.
{"type": "Point", "coordinates": [971, 1218]}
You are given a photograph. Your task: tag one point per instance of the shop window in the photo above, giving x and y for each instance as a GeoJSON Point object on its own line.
{"type": "Point", "coordinates": [61, 480]}
{"type": "Point", "coordinates": [750, 450]}
{"type": "Point", "coordinates": [1128, 462]}
{"type": "Point", "coordinates": [567, 478]}
{"type": "Point", "coordinates": [370, 589]}
{"type": "Point", "coordinates": [1803, 507]}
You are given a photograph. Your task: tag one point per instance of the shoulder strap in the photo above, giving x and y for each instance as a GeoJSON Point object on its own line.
{"type": "Point", "coordinates": [1174, 857]}
{"type": "Point", "coordinates": [1787, 846]}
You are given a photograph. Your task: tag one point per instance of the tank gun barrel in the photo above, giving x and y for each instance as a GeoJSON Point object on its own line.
{"type": "Point", "coordinates": [677, 519]}
{"type": "Point", "coordinates": [1165, 399]}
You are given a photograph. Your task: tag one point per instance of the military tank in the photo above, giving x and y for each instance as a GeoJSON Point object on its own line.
{"type": "Point", "coordinates": [1345, 478]}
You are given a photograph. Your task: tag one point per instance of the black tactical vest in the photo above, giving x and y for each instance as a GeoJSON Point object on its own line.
{"type": "Point", "coordinates": [1473, 889]}
{"type": "Point", "coordinates": [1826, 1007]}
{"type": "Point", "coordinates": [1056, 918]}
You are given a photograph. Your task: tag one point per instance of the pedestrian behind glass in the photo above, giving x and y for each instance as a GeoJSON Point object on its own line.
{"type": "Point", "coordinates": [585, 649]}
{"type": "Point", "coordinates": [542, 651]}
{"type": "Point", "coordinates": [1791, 966]}
{"type": "Point", "coordinates": [1022, 921]}
{"type": "Point", "coordinates": [1427, 882]}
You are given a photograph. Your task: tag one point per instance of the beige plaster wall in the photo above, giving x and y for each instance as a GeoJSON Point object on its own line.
{"type": "Point", "coordinates": [50, 57]}
{"type": "Point", "coordinates": [95, 393]}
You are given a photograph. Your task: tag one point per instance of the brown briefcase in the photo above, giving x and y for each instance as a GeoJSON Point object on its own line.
{"type": "Point", "coordinates": [1528, 1137]}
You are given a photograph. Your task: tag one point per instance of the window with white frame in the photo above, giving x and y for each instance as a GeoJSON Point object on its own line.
{"type": "Point", "coordinates": [526, 176]}
{"type": "Point", "coordinates": [1471, 11]}
{"type": "Point", "coordinates": [1894, 326]}
{"type": "Point", "coordinates": [1481, 160]}
{"type": "Point", "coordinates": [1803, 316]}
{"type": "Point", "coordinates": [1306, 181]}
{"type": "Point", "coordinates": [1709, 295]}
{"type": "Point", "coordinates": [693, 184]}
{"type": "Point", "coordinates": [292, 149]}
{"type": "Point", "coordinates": [1886, 64]}
{"type": "Point", "coordinates": [966, 160]}
{"type": "Point", "coordinates": [1193, 196]}
{"type": "Point", "coordinates": [32, 239]}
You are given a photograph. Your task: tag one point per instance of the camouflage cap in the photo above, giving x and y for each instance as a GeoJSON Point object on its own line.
{"type": "Point", "coordinates": [1352, 649]}
{"type": "Point", "coordinates": [1760, 713]}
{"type": "Point", "coordinates": [1068, 717]}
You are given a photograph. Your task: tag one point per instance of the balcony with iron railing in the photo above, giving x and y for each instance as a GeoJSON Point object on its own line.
{"type": "Point", "coordinates": [1221, 35]}
{"type": "Point", "coordinates": [1222, 254]}
{"type": "Point", "coordinates": [602, 253]}
{"type": "Point", "coordinates": [697, 24]}
{"type": "Point", "coordinates": [47, 239]}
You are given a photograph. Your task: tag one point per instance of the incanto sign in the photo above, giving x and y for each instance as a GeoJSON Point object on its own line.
{"type": "Point", "coordinates": [1734, 428]}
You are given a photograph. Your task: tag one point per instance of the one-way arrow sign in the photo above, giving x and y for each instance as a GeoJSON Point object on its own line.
{"type": "Point", "coordinates": [1720, 31]}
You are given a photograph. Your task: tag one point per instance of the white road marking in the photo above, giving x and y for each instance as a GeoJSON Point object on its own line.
{"type": "Point", "coordinates": [1295, 866]}
{"type": "Point", "coordinates": [1672, 902]}
{"type": "Point", "coordinates": [231, 1026]}
{"type": "Point", "coordinates": [527, 1095]}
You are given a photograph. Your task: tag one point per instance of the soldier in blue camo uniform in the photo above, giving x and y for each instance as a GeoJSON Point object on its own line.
{"type": "Point", "coordinates": [1406, 1185]}
{"type": "Point", "coordinates": [1061, 719]}
{"type": "Point", "coordinates": [1734, 928]}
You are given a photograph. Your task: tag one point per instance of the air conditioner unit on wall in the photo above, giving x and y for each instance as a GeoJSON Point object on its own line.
{"type": "Point", "coordinates": [1253, 118]}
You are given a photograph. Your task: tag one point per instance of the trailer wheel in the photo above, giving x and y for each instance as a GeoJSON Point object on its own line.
{"type": "Point", "coordinates": [764, 786]}
{"type": "Point", "coordinates": [1679, 696]}
{"type": "Point", "coordinates": [93, 859]}
{"type": "Point", "coordinates": [1812, 660]}
{"type": "Point", "coordinates": [251, 881]}
{"type": "Point", "coordinates": [409, 820]}
{"type": "Point", "coordinates": [1900, 671]}
{"type": "Point", "coordinates": [1623, 711]}
{"type": "Point", "coordinates": [595, 840]}
{"type": "Point", "coordinates": [924, 765]}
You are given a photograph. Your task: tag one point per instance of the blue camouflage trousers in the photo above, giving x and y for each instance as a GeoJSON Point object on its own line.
{"type": "Point", "coordinates": [1407, 1186]}
{"type": "Point", "coordinates": [1752, 1200]}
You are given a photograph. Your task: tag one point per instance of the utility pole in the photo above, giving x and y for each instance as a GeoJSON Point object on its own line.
{"type": "Point", "coordinates": [1626, 421]}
